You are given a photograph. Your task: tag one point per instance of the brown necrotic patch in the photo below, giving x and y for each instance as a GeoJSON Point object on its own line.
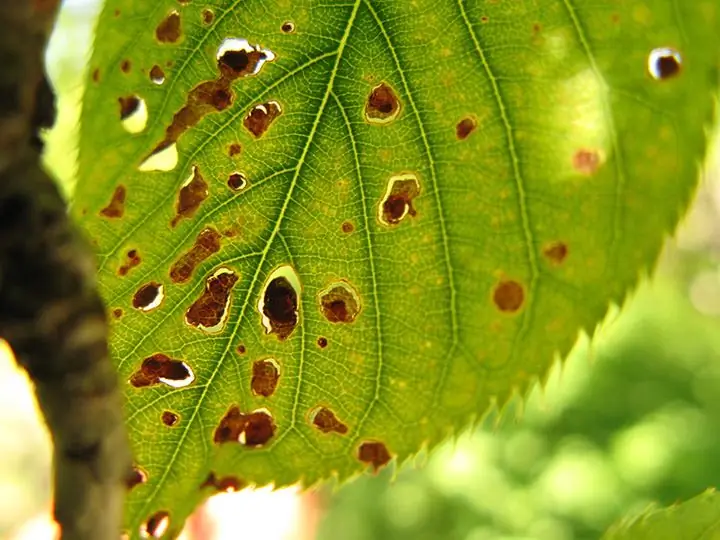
{"type": "Point", "coordinates": [586, 162]}
{"type": "Point", "coordinates": [237, 181]}
{"type": "Point", "coordinates": [326, 421]}
{"type": "Point", "coordinates": [149, 296]}
{"type": "Point", "coordinates": [236, 58]}
{"type": "Point", "coordinates": [347, 227]}
{"type": "Point", "coordinates": [508, 296]}
{"type": "Point", "coordinates": [209, 312]}
{"type": "Point", "coordinates": [207, 16]}
{"type": "Point", "coordinates": [169, 418]}
{"type": "Point", "coordinates": [556, 252]}
{"type": "Point", "coordinates": [157, 75]}
{"type": "Point", "coordinates": [288, 27]}
{"type": "Point", "coordinates": [397, 203]}
{"type": "Point", "coordinates": [265, 376]}
{"type": "Point", "coordinates": [253, 429]}
{"type": "Point", "coordinates": [156, 526]}
{"type": "Point", "coordinates": [241, 349]}
{"type": "Point", "coordinates": [132, 260]}
{"type": "Point", "coordinates": [116, 207]}
{"type": "Point", "coordinates": [206, 244]}
{"type": "Point", "coordinates": [465, 127]}
{"type": "Point", "coordinates": [382, 105]}
{"type": "Point", "coordinates": [192, 194]}
{"type": "Point", "coordinates": [117, 313]}
{"type": "Point", "coordinates": [234, 150]}
{"type": "Point", "coordinates": [160, 368]}
{"type": "Point", "coordinates": [136, 477]}
{"type": "Point", "coordinates": [125, 66]}
{"type": "Point", "coordinates": [279, 303]}
{"type": "Point", "coordinates": [226, 484]}
{"type": "Point", "coordinates": [322, 342]}
{"type": "Point", "coordinates": [339, 303]}
{"type": "Point", "coordinates": [261, 116]}
{"type": "Point", "coordinates": [374, 453]}
{"type": "Point", "coordinates": [170, 28]}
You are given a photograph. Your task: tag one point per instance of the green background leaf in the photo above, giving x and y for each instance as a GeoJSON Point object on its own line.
{"type": "Point", "coordinates": [550, 164]}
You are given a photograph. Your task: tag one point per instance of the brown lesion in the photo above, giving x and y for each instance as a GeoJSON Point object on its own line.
{"type": "Point", "coordinates": [254, 429]}
{"type": "Point", "coordinates": [206, 244]}
{"type": "Point", "coordinates": [170, 419]}
{"type": "Point", "coordinates": [265, 376]}
{"type": "Point", "coordinates": [132, 260]}
{"type": "Point", "coordinates": [508, 296]}
{"type": "Point", "coordinates": [170, 28]}
{"type": "Point", "coordinates": [129, 105]}
{"type": "Point", "coordinates": [382, 105]}
{"type": "Point", "coordinates": [398, 202]}
{"type": "Point", "coordinates": [556, 252]}
{"type": "Point", "coordinates": [237, 181]}
{"type": "Point", "coordinates": [261, 116]}
{"type": "Point", "coordinates": [116, 207]}
{"type": "Point", "coordinates": [326, 421]}
{"type": "Point", "coordinates": [136, 477]}
{"type": "Point", "coordinates": [148, 296]}
{"type": "Point", "coordinates": [160, 368]}
{"type": "Point", "coordinates": [340, 303]}
{"type": "Point", "coordinates": [280, 307]}
{"type": "Point", "coordinates": [209, 312]}
{"type": "Point", "coordinates": [157, 75]}
{"type": "Point", "coordinates": [192, 194]}
{"type": "Point", "coordinates": [156, 526]}
{"type": "Point", "coordinates": [374, 453]}
{"type": "Point", "coordinates": [465, 127]}
{"type": "Point", "coordinates": [224, 484]}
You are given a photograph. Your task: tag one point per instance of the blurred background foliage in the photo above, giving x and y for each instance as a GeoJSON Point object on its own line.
{"type": "Point", "coordinates": [632, 419]}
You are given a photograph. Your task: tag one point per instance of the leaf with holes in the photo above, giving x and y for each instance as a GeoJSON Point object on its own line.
{"type": "Point", "coordinates": [330, 233]}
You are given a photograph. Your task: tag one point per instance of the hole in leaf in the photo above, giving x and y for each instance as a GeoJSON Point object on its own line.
{"type": "Point", "coordinates": [398, 200]}
{"type": "Point", "coordinates": [226, 484]}
{"type": "Point", "coordinates": [206, 244]}
{"type": "Point", "coordinates": [261, 116]}
{"type": "Point", "coordinates": [170, 419]}
{"type": "Point", "coordinates": [253, 429]}
{"type": "Point", "coordinates": [192, 194]}
{"type": "Point", "coordinates": [136, 477]}
{"type": "Point", "coordinates": [278, 304]}
{"type": "Point", "coordinates": [509, 296]}
{"type": "Point", "coordinates": [288, 27]}
{"type": "Point", "coordinates": [156, 526]}
{"type": "Point", "coordinates": [160, 368]}
{"type": "Point", "coordinates": [383, 105]}
{"type": "Point", "coordinates": [340, 303]}
{"type": "Point", "coordinates": [586, 162]}
{"type": "Point", "coordinates": [326, 421]}
{"type": "Point", "coordinates": [133, 260]}
{"type": "Point", "coordinates": [169, 30]}
{"type": "Point", "coordinates": [116, 207]}
{"type": "Point", "coordinates": [265, 377]}
{"type": "Point", "coordinates": [664, 63]}
{"type": "Point", "coordinates": [163, 158]}
{"type": "Point", "coordinates": [465, 127]}
{"type": "Point", "coordinates": [149, 296]}
{"type": "Point", "coordinates": [237, 181]}
{"type": "Point", "coordinates": [237, 58]}
{"type": "Point", "coordinates": [374, 453]}
{"type": "Point", "coordinates": [209, 312]}
{"type": "Point", "coordinates": [157, 75]}
{"type": "Point", "coordinates": [133, 113]}
{"type": "Point", "coordinates": [556, 252]}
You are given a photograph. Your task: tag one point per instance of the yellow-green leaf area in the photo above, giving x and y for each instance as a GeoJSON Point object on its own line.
{"type": "Point", "coordinates": [344, 229]}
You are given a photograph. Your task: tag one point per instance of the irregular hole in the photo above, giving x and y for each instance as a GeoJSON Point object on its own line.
{"type": "Point", "coordinates": [237, 58]}
{"type": "Point", "coordinates": [136, 477]}
{"type": "Point", "coordinates": [465, 127]}
{"type": "Point", "coordinates": [253, 429]}
{"type": "Point", "coordinates": [160, 368]}
{"type": "Point", "coordinates": [265, 377]}
{"type": "Point", "coordinates": [192, 194]}
{"type": "Point", "coordinates": [133, 113]}
{"type": "Point", "coordinates": [398, 200]}
{"type": "Point", "coordinates": [149, 296]}
{"type": "Point", "coordinates": [322, 342]}
{"type": "Point", "coordinates": [206, 244]}
{"type": "Point", "coordinates": [288, 27]}
{"type": "Point", "coordinates": [278, 304]}
{"type": "Point", "coordinates": [586, 162]}
{"type": "Point", "coordinates": [383, 105]}
{"type": "Point", "coordinates": [116, 207]}
{"type": "Point", "coordinates": [347, 227]}
{"type": "Point", "coordinates": [156, 526]}
{"type": "Point", "coordinates": [237, 181]}
{"type": "Point", "coordinates": [664, 63]}
{"type": "Point", "coordinates": [209, 312]}
{"type": "Point", "coordinates": [226, 484]}
{"type": "Point", "coordinates": [326, 421]}
{"type": "Point", "coordinates": [234, 150]}
{"type": "Point", "coordinates": [169, 418]}
{"type": "Point", "coordinates": [157, 75]}
{"type": "Point", "coordinates": [259, 119]}
{"type": "Point", "coordinates": [207, 16]}
{"type": "Point", "coordinates": [374, 453]}
{"type": "Point", "coordinates": [169, 30]}
{"type": "Point", "coordinates": [133, 260]}
{"type": "Point", "coordinates": [508, 296]}
{"type": "Point", "coordinates": [556, 252]}
{"type": "Point", "coordinates": [340, 303]}
{"type": "Point", "coordinates": [163, 158]}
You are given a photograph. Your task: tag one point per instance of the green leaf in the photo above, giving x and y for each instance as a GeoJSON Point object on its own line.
{"type": "Point", "coordinates": [449, 191]}
{"type": "Point", "coordinates": [698, 518]}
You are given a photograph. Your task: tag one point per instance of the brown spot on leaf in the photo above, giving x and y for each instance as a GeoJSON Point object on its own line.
{"type": "Point", "coordinates": [265, 377]}
{"type": "Point", "coordinates": [207, 16]}
{"type": "Point", "coordinates": [465, 127]}
{"type": "Point", "coordinates": [209, 312]}
{"type": "Point", "coordinates": [398, 200]}
{"type": "Point", "coordinates": [226, 484]}
{"type": "Point", "coordinates": [117, 313]}
{"type": "Point", "coordinates": [237, 181]}
{"type": "Point", "coordinates": [191, 196]}
{"type": "Point", "coordinates": [125, 66]}
{"type": "Point", "coordinates": [136, 477]}
{"type": "Point", "coordinates": [253, 429]}
{"type": "Point", "coordinates": [133, 260]}
{"type": "Point", "coordinates": [156, 526]}
{"type": "Point", "coordinates": [508, 296]}
{"type": "Point", "coordinates": [280, 307]}
{"type": "Point", "coordinates": [169, 418]}
{"type": "Point", "coordinates": [261, 116]}
{"type": "Point", "coordinates": [116, 207]}
{"type": "Point", "coordinates": [326, 421]}
{"type": "Point", "coordinates": [556, 252]}
{"type": "Point", "coordinates": [288, 27]}
{"type": "Point", "coordinates": [148, 297]}
{"type": "Point", "coordinates": [169, 30]}
{"type": "Point", "coordinates": [234, 149]}
{"type": "Point", "coordinates": [340, 303]}
{"type": "Point", "coordinates": [374, 453]}
{"type": "Point", "coordinates": [157, 75]}
{"type": "Point", "coordinates": [241, 349]}
{"type": "Point", "coordinates": [322, 342]}
{"type": "Point", "coordinates": [206, 244]}
{"type": "Point", "coordinates": [128, 106]}
{"type": "Point", "coordinates": [383, 105]}
{"type": "Point", "coordinates": [347, 227]}
{"type": "Point", "coordinates": [96, 75]}
{"type": "Point", "coordinates": [586, 161]}
{"type": "Point", "coordinates": [160, 368]}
